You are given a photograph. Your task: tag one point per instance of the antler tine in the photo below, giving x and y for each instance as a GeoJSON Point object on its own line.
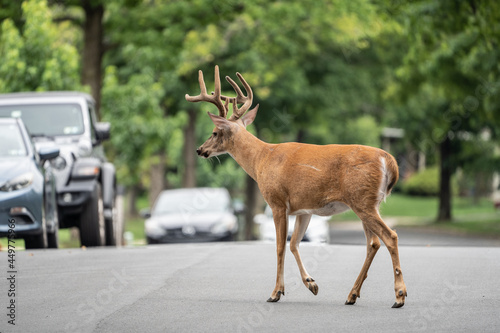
{"type": "Point", "coordinates": [214, 98]}
{"type": "Point", "coordinates": [246, 100]}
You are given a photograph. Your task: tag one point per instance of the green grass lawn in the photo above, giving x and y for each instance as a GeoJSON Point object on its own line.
{"type": "Point", "coordinates": [468, 217]}
{"type": "Point", "coordinates": [135, 226]}
{"type": "Point", "coordinates": [65, 241]}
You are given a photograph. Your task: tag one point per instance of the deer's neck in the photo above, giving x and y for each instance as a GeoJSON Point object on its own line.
{"type": "Point", "coordinates": [247, 150]}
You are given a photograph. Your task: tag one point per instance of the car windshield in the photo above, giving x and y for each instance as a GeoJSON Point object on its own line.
{"type": "Point", "coordinates": [11, 141]}
{"type": "Point", "coordinates": [47, 119]}
{"type": "Point", "coordinates": [192, 201]}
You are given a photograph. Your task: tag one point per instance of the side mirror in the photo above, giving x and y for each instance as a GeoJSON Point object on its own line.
{"type": "Point", "coordinates": [48, 153]}
{"type": "Point", "coordinates": [102, 131]}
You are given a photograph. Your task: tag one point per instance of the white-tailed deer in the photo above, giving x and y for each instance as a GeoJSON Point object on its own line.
{"type": "Point", "coordinates": [304, 179]}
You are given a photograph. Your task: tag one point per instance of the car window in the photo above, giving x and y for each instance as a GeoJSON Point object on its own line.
{"type": "Point", "coordinates": [11, 141]}
{"type": "Point", "coordinates": [47, 119]}
{"type": "Point", "coordinates": [181, 202]}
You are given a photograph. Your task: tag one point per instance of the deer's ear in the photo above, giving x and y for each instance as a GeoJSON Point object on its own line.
{"type": "Point", "coordinates": [220, 122]}
{"type": "Point", "coordinates": [249, 117]}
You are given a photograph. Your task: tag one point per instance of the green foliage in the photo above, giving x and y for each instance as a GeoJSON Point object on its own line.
{"type": "Point", "coordinates": [425, 183]}
{"type": "Point", "coordinates": [140, 128]}
{"type": "Point", "coordinates": [448, 81]}
{"type": "Point", "coordinates": [37, 59]}
{"type": "Point", "coordinates": [363, 130]}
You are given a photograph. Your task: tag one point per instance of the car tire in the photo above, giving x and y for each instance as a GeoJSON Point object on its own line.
{"type": "Point", "coordinates": [38, 241]}
{"type": "Point", "coordinates": [152, 241]}
{"type": "Point", "coordinates": [53, 237]}
{"type": "Point", "coordinates": [92, 225]}
{"type": "Point", "coordinates": [110, 227]}
{"type": "Point", "coordinates": [228, 238]}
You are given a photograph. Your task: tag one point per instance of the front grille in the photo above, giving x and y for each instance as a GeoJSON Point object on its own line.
{"type": "Point", "coordinates": [177, 235]}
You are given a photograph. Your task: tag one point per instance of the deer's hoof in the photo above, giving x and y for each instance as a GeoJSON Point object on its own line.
{"type": "Point", "coordinates": [277, 298]}
{"type": "Point", "coordinates": [352, 299]}
{"type": "Point", "coordinates": [397, 305]}
{"type": "Point", "coordinates": [400, 298]}
{"type": "Point", "coordinates": [313, 287]}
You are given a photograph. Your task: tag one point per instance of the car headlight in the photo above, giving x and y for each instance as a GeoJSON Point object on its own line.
{"type": "Point", "coordinates": [59, 163]}
{"type": "Point", "coordinates": [84, 147]}
{"type": "Point", "coordinates": [153, 229]}
{"type": "Point", "coordinates": [18, 182]}
{"type": "Point", "coordinates": [225, 225]}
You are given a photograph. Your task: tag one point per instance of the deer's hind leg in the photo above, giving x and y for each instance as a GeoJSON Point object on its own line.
{"type": "Point", "coordinates": [372, 246]}
{"type": "Point", "coordinates": [301, 224]}
{"type": "Point", "coordinates": [374, 223]}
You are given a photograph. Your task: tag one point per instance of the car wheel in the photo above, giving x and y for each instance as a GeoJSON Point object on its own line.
{"type": "Point", "coordinates": [151, 241]}
{"type": "Point", "coordinates": [110, 227]}
{"type": "Point", "coordinates": [53, 237]}
{"type": "Point", "coordinates": [38, 241]}
{"type": "Point", "coordinates": [92, 226]}
{"type": "Point", "coordinates": [228, 238]}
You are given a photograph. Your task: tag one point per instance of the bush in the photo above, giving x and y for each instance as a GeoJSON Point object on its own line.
{"type": "Point", "coordinates": [425, 183]}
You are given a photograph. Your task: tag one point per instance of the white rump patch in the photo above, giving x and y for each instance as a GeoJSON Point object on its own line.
{"type": "Point", "coordinates": [382, 191]}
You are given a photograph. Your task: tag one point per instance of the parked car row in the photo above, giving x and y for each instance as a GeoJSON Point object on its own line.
{"type": "Point", "coordinates": [209, 214]}
{"type": "Point", "coordinates": [57, 176]}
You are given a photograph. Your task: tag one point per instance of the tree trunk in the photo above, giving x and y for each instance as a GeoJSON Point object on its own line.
{"type": "Point", "coordinates": [444, 214]}
{"type": "Point", "coordinates": [93, 49]}
{"type": "Point", "coordinates": [301, 135]}
{"type": "Point", "coordinates": [132, 199]}
{"type": "Point", "coordinates": [251, 206]}
{"type": "Point", "coordinates": [189, 176]}
{"type": "Point", "coordinates": [157, 174]}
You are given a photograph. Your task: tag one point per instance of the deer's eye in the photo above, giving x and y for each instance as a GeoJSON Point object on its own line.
{"type": "Point", "coordinates": [214, 134]}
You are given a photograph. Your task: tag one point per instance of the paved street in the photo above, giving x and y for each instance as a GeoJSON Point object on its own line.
{"type": "Point", "coordinates": [222, 287]}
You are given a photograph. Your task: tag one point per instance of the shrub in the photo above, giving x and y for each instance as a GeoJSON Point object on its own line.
{"type": "Point", "coordinates": [425, 183]}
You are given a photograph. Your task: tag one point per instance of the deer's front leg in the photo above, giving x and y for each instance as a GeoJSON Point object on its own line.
{"type": "Point", "coordinates": [301, 224]}
{"type": "Point", "coordinates": [281, 224]}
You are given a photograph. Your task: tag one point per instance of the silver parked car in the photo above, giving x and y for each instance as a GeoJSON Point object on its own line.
{"type": "Point", "coordinates": [191, 215]}
{"type": "Point", "coordinates": [317, 232]}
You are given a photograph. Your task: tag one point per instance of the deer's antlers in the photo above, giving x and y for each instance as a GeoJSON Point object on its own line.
{"type": "Point", "coordinates": [216, 97]}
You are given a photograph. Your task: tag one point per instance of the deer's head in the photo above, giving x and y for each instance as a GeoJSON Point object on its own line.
{"type": "Point", "coordinates": [222, 137]}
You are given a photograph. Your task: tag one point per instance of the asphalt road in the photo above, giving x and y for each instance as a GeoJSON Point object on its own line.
{"type": "Point", "coordinates": [222, 287]}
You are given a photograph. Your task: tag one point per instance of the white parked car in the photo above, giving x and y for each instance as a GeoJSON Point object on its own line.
{"type": "Point", "coordinates": [317, 232]}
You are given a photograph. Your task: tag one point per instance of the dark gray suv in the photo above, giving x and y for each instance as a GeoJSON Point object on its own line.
{"type": "Point", "coordinates": [85, 181]}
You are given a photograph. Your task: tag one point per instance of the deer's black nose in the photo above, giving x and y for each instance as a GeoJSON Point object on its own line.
{"type": "Point", "coordinates": [198, 151]}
